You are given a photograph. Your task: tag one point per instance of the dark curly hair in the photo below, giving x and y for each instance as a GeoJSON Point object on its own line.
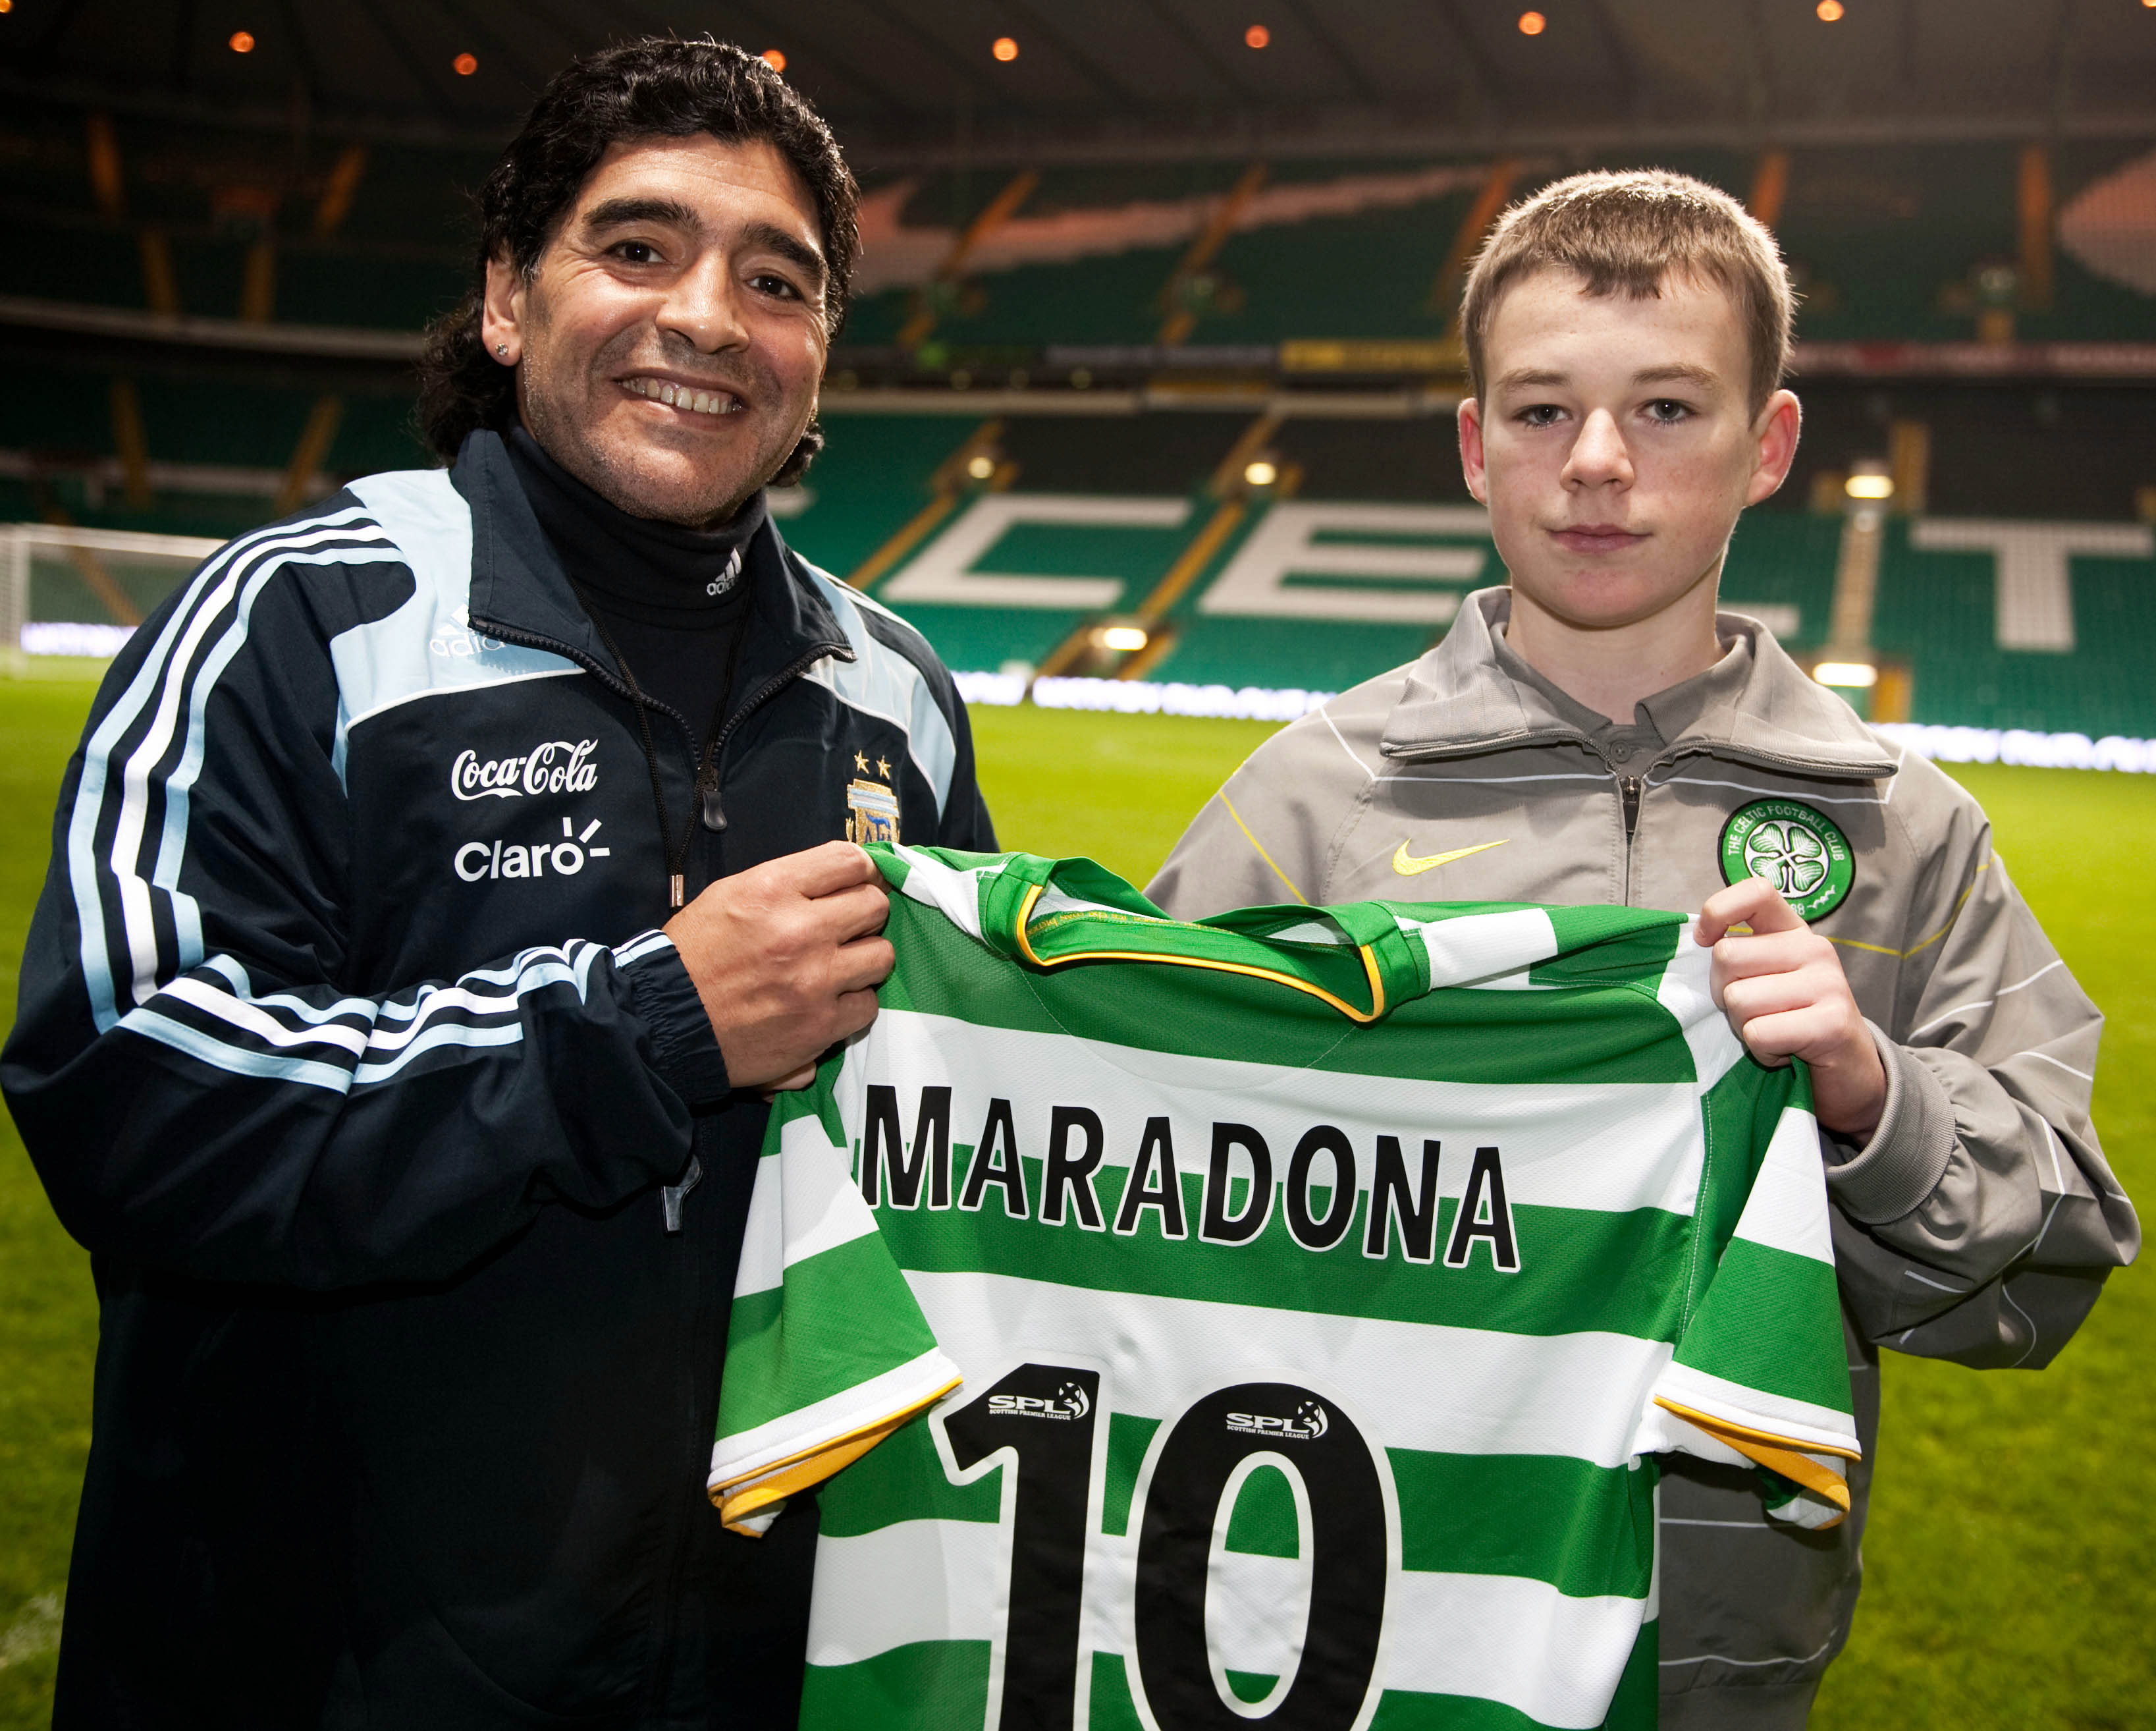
{"type": "Point", "coordinates": [659, 87]}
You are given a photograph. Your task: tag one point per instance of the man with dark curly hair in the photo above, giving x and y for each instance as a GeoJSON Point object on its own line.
{"type": "Point", "coordinates": [447, 877]}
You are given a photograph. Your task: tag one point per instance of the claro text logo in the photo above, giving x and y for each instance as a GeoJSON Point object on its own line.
{"type": "Point", "coordinates": [476, 860]}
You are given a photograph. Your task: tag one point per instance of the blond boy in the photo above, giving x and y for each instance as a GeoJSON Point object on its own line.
{"type": "Point", "coordinates": [1598, 731]}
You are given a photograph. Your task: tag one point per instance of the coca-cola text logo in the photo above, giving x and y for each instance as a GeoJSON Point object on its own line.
{"type": "Point", "coordinates": [556, 767]}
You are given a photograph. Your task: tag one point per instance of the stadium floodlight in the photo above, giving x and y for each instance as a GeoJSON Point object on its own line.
{"type": "Point", "coordinates": [1260, 473]}
{"type": "Point", "coordinates": [982, 467]}
{"type": "Point", "coordinates": [1005, 47]}
{"type": "Point", "coordinates": [1127, 639]}
{"type": "Point", "coordinates": [1257, 36]}
{"type": "Point", "coordinates": [241, 42]}
{"type": "Point", "coordinates": [1862, 485]}
{"type": "Point", "coordinates": [1858, 676]}
{"type": "Point", "coordinates": [1828, 11]}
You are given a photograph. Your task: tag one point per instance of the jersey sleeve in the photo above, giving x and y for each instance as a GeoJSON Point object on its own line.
{"type": "Point", "coordinates": [1760, 1373]}
{"type": "Point", "coordinates": [827, 1350]}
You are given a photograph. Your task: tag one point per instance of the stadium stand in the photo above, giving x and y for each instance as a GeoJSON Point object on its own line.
{"type": "Point", "coordinates": [1055, 378]}
{"type": "Point", "coordinates": [1908, 244]}
{"type": "Point", "coordinates": [1114, 503]}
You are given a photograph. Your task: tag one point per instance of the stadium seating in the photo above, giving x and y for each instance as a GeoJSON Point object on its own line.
{"type": "Point", "coordinates": [1888, 242]}
{"type": "Point", "coordinates": [998, 277]}
{"type": "Point", "coordinates": [1889, 239]}
{"type": "Point", "coordinates": [1068, 478]}
{"type": "Point", "coordinates": [1937, 609]}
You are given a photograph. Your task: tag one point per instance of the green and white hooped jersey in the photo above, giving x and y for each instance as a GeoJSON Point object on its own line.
{"type": "Point", "coordinates": [1323, 1284]}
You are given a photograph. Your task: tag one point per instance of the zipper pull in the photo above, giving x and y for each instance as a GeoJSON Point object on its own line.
{"type": "Point", "coordinates": [669, 1198]}
{"type": "Point", "coordinates": [1629, 787]}
{"type": "Point", "coordinates": [707, 789]}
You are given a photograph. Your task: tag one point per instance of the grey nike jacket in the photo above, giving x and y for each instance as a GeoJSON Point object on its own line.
{"type": "Point", "coordinates": [1979, 1222]}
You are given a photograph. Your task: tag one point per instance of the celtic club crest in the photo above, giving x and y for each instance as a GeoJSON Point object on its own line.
{"type": "Point", "coordinates": [1795, 847]}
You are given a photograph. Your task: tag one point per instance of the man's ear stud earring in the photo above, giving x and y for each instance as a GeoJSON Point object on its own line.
{"type": "Point", "coordinates": [501, 349]}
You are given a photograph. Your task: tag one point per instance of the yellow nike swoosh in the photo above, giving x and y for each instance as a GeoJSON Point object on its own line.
{"type": "Point", "coordinates": [1409, 865]}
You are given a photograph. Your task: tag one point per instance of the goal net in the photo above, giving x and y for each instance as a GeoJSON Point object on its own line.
{"type": "Point", "coordinates": [70, 591]}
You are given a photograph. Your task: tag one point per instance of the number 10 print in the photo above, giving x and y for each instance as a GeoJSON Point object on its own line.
{"type": "Point", "coordinates": [1044, 1416]}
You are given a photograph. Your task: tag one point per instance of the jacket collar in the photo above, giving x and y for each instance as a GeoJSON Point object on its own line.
{"type": "Point", "coordinates": [1460, 702]}
{"type": "Point", "coordinates": [520, 592]}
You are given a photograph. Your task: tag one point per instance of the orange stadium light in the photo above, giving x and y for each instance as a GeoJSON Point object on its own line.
{"type": "Point", "coordinates": [1257, 36]}
{"type": "Point", "coordinates": [465, 65]}
{"type": "Point", "coordinates": [1532, 23]}
{"type": "Point", "coordinates": [1830, 11]}
{"type": "Point", "coordinates": [1005, 47]}
{"type": "Point", "coordinates": [775, 58]}
{"type": "Point", "coordinates": [241, 41]}
{"type": "Point", "coordinates": [7, 5]}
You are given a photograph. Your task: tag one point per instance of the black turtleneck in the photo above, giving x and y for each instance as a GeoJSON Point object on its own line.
{"type": "Point", "coordinates": [672, 600]}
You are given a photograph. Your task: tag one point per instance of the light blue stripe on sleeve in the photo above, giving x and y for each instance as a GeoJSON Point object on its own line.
{"type": "Point", "coordinates": [881, 682]}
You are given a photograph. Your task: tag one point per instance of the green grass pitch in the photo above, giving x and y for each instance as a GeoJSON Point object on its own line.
{"type": "Point", "coordinates": [2008, 1585]}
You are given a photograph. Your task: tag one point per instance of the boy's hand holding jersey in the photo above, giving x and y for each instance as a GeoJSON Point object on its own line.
{"type": "Point", "coordinates": [1782, 986]}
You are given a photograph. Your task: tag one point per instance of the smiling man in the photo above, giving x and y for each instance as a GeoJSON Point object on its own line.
{"type": "Point", "coordinates": [446, 876]}
{"type": "Point", "coordinates": [1598, 731]}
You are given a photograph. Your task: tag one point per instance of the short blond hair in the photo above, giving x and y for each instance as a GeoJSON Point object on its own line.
{"type": "Point", "coordinates": [1623, 232]}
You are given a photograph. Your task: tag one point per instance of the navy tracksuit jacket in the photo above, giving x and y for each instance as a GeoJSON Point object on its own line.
{"type": "Point", "coordinates": [407, 1160]}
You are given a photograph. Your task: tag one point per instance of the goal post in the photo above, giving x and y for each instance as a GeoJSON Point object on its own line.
{"type": "Point", "coordinates": [65, 590]}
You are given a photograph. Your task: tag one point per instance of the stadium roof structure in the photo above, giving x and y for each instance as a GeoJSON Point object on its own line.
{"type": "Point", "coordinates": [919, 83]}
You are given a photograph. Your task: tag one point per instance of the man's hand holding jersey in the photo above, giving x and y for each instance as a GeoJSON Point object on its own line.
{"type": "Point", "coordinates": [1782, 987]}
{"type": "Point", "coordinates": [787, 957]}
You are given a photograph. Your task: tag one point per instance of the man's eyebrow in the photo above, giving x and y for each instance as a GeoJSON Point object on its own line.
{"type": "Point", "coordinates": [788, 246]}
{"type": "Point", "coordinates": [615, 212]}
{"type": "Point", "coordinates": [619, 213]}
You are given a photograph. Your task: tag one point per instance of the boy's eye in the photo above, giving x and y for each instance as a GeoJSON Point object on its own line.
{"type": "Point", "coordinates": [1667, 410]}
{"type": "Point", "coordinates": [1540, 414]}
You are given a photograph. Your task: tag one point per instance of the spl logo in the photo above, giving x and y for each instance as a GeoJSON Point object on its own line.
{"type": "Point", "coordinates": [1795, 847]}
{"type": "Point", "coordinates": [1307, 1426]}
{"type": "Point", "coordinates": [1070, 1403]}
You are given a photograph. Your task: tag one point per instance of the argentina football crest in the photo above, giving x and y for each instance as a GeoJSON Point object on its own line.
{"type": "Point", "coordinates": [872, 806]}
